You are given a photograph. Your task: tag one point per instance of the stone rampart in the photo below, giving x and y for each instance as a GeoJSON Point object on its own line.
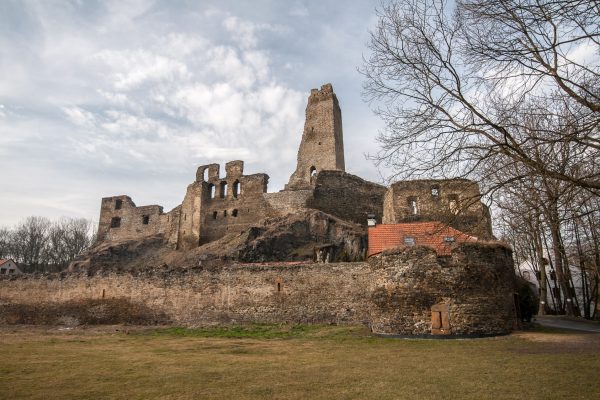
{"type": "Point", "coordinates": [410, 292]}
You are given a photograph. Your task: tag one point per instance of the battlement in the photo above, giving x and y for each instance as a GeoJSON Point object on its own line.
{"type": "Point", "coordinates": [325, 93]}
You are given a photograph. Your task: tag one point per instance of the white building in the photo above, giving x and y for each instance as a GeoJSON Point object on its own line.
{"type": "Point", "coordinates": [8, 267]}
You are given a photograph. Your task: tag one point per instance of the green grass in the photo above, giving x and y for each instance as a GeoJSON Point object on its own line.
{"type": "Point", "coordinates": [292, 362]}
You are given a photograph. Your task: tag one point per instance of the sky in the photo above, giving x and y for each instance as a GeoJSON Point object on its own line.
{"type": "Point", "coordinates": [103, 98]}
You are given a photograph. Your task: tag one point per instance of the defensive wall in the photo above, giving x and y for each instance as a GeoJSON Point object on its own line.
{"type": "Point", "coordinates": [409, 291]}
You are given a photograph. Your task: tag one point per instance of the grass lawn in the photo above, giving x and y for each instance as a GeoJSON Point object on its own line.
{"type": "Point", "coordinates": [283, 362]}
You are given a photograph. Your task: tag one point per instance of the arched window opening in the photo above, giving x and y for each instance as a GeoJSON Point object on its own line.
{"type": "Point", "coordinates": [413, 205]}
{"type": "Point", "coordinates": [234, 213]}
{"type": "Point", "coordinates": [223, 191]}
{"type": "Point", "coordinates": [313, 172]}
{"type": "Point", "coordinates": [236, 188]}
{"type": "Point", "coordinates": [215, 215]}
{"type": "Point", "coordinates": [212, 190]}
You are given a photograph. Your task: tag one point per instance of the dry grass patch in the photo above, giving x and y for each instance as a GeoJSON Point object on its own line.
{"type": "Point", "coordinates": [287, 362]}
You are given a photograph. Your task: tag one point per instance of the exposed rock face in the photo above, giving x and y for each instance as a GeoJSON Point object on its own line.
{"type": "Point", "coordinates": [305, 236]}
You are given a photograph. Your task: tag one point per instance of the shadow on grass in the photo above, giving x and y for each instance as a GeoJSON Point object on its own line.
{"type": "Point", "coordinates": [538, 328]}
{"type": "Point", "coordinates": [267, 331]}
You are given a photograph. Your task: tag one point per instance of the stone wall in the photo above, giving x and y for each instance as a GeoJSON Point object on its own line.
{"type": "Point", "coordinates": [395, 293]}
{"type": "Point", "coordinates": [287, 202]}
{"type": "Point", "coordinates": [232, 203]}
{"type": "Point", "coordinates": [455, 202]}
{"type": "Point", "coordinates": [347, 196]}
{"type": "Point", "coordinates": [121, 219]}
{"type": "Point", "coordinates": [475, 286]}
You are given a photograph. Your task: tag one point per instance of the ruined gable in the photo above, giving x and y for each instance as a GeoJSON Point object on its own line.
{"type": "Point", "coordinates": [454, 202]}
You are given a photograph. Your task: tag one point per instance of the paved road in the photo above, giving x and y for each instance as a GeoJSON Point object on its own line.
{"type": "Point", "coordinates": [552, 321]}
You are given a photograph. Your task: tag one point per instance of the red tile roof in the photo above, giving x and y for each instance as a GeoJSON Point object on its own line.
{"type": "Point", "coordinates": [2, 261]}
{"type": "Point", "coordinates": [432, 234]}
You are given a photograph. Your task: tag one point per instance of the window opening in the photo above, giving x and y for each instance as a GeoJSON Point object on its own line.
{"type": "Point", "coordinates": [115, 222]}
{"type": "Point", "coordinates": [453, 204]}
{"type": "Point", "coordinates": [234, 213]}
{"type": "Point", "coordinates": [225, 213]}
{"type": "Point", "coordinates": [118, 204]}
{"type": "Point", "coordinates": [215, 215]}
{"type": "Point", "coordinates": [435, 191]}
{"type": "Point", "coordinates": [279, 286]}
{"type": "Point", "coordinates": [236, 188]}
{"type": "Point", "coordinates": [413, 205]}
{"type": "Point", "coordinates": [409, 241]}
{"type": "Point", "coordinates": [313, 171]}
{"type": "Point", "coordinates": [212, 190]}
{"type": "Point", "coordinates": [223, 192]}
{"type": "Point", "coordinates": [145, 219]}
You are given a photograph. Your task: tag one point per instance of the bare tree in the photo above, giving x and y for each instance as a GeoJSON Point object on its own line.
{"type": "Point", "coordinates": [38, 244]}
{"type": "Point", "coordinates": [5, 239]}
{"type": "Point", "coordinates": [458, 87]}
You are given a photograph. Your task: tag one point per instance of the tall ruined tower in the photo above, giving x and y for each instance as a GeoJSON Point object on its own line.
{"type": "Point", "coordinates": [322, 146]}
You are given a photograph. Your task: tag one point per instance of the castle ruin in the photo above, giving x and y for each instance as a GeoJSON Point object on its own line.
{"type": "Point", "coordinates": [431, 267]}
{"type": "Point", "coordinates": [216, 204]}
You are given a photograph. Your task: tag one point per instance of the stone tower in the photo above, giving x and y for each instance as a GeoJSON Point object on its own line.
{"type": "Point", "coordinates": [322, 146]}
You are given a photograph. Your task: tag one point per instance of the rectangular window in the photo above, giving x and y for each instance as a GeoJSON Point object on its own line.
{"type": "Point", "coordinates": [409, 241]}
{"type": "Point", "coordinates": [115, 222]}
{"type": "Point", "coordinates": [145, 219]}
{"type": "Point", "coordinates": [413, 205]}
{"type": "Point", "coordinates": [118, 204]}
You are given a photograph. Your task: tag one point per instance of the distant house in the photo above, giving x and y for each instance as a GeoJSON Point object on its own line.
{"type": "Point", "coordinates": [8, 267]}
{"type": "Point", "coordinates": [438, 236]}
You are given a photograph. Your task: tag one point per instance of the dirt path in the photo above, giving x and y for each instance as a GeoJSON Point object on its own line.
{"type": "Point", "coordinates": [552, 321]}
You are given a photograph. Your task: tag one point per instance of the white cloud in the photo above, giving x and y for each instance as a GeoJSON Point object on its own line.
{"type": "Point", "coordinates": [118, 97]}
{"type": "Point", "coordinates": [130, 69]}
{"type": "Point", "coordinates": [246, 32]}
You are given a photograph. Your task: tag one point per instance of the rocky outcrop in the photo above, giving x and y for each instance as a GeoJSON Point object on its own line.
{"type": "Point", "coordinates": [307, 235]}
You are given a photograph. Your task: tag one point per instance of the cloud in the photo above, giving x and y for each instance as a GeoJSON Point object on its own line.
{"type": "Point", "coordinates": [129, 97]}
{"type": "Point", "coordinates": [245, 32]}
